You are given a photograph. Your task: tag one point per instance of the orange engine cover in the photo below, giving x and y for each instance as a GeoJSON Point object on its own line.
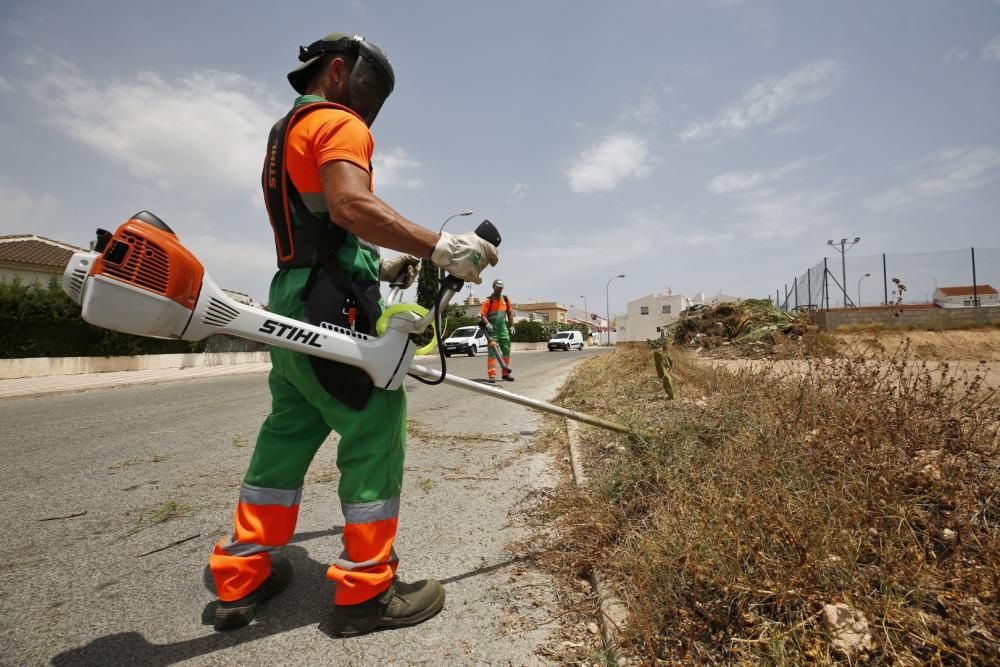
{"type": "Point", "coordinates": [152, 259]}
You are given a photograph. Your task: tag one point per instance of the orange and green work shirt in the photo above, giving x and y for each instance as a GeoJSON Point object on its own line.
{"type": "Point", "coordinates": [495, 311]}
{"type": "Point", "coordinates": [372, 440]}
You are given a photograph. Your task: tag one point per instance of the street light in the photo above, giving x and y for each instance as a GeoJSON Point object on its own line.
{"type": "Point", "coordinates": [867, 275]}
{"type": "Point", "coordinates": [844, 247]}
{"type": "Point", "coordinates": [607, 304]}
{"type": "Point", "coordinates": [586, 314]}
{"type": "Point", "coordinates": [454, 215]}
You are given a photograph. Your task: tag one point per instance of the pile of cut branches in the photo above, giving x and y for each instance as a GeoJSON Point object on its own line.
{"type": "Point", "coordinates": [754, 322]}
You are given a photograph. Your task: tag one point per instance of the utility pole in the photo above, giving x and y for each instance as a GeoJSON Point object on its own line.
{"type": "Point", "coordinates": [844, 247]}
{"type": "Point", "coordinates": [607, 304]}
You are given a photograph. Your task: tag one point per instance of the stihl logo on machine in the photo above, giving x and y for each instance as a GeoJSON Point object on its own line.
{"type": "Point", "coordinates": [287, 331]}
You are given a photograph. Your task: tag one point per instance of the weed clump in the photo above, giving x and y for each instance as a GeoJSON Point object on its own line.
{"type": "Point", "coordinates": [765, 497]}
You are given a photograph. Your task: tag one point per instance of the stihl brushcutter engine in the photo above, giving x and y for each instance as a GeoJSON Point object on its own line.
{"type": "Point", "coordinates": [141, 280]}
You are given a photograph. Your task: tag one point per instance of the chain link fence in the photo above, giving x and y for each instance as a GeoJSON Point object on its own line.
{"type": "Point", "coordinates": [907, 278]}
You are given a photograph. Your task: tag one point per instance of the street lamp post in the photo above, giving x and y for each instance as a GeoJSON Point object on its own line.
{"type": "Point", "coordinates": [454, 215]}
{"type": "Point", "coordinates": [586, 313]}
{"type": "Point", "coordinates": [867, 275]}
{"type": "Point", "coordinates": [607, 304]}
{"type": "Point", "coordinates": [844, 247]}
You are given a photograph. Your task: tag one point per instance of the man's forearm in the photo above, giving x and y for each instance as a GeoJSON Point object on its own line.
{"type": "Point", "coordinates": [375, 221]}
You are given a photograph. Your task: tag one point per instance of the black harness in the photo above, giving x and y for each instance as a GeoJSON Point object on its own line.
{"type": "Point", "coordinates": [330, 295]}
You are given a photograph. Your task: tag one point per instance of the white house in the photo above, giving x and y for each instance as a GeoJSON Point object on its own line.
{"type": "Point", "coordinates": [965, 296]}
{"type": "Point", "coordinates": [647, 314]}
{"type": "Point", "coordinates": [594, 321]}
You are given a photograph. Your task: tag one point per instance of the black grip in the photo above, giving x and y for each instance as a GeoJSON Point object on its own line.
{"type": "Point", "coordinates": [487, 232]}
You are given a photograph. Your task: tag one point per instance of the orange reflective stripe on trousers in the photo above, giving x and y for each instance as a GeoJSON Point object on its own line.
{"type": "Point", "coordinates": [368, 563]}
{"type": "Point", "coordinates": [241, 563]}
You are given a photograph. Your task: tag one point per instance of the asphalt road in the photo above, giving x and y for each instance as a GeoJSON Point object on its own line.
{"type": "Point", "coordinates": [152, 465]}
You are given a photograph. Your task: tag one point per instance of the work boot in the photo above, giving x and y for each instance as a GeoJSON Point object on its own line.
{"type": "Point", "coordinates": [400, 605]}
{"type": "Point", "coordinates": [508, 378]}
{"type": "Point", "coordinates": [492, 380]}
{"type": "Point", "coordinates": [238, 613]}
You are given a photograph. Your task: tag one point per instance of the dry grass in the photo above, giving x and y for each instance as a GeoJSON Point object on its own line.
{"type": "Point", "coordinates": [760, 500]}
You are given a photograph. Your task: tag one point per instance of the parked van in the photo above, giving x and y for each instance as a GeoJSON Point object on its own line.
{"type": "Point", "coordinates": [470, 340]}
{"type": "Point", "coordinates": [566, 340]}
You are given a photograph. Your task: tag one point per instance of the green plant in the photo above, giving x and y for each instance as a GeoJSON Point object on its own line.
{"type": "Point", "coordinates": [664, 365]}
{"type": "Point", "coordinates": [41, 321]}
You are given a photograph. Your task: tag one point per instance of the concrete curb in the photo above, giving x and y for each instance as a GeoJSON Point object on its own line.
{"type": "Point", "coordinates": [613, 612]}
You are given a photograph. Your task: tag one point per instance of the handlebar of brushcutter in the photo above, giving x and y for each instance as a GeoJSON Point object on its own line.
{"type": "Point", "coordinates": [450, 286]}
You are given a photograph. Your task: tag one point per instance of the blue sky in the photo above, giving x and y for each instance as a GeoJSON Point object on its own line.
{"type": "Point", "coordinates": [704, 147]}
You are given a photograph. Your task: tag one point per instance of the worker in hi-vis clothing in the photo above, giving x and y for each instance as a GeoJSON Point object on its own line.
{"type": "Point", "coordinates": [328, 226]}
{"type": "Point", "coordinates": [497, 317]}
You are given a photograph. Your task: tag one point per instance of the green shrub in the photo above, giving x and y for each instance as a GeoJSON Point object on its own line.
{"type": "Point", "coordinates": [37, 321]}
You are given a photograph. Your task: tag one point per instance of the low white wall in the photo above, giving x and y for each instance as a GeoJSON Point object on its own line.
{"type": "Point", "coordinates": [44, 366]}
{"type": "Point", "coordinates": [35, 367]}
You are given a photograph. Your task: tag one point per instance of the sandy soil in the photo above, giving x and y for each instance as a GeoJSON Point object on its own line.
{"type": "Point", "coordinates": [964, 345]}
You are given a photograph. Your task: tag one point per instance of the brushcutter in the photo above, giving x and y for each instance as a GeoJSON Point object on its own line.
{"type": "Point", "coordinates": [141, 280]}
{"type": "Point", "coordinates": [494, 346]}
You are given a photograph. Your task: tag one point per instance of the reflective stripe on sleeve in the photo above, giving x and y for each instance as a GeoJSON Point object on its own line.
{"type": "Point", "coordinates": [315, 202]}
{"type": "Point", "coordinates": [378, 510]}
{"type": "Point", "coordinates": [258, 495]}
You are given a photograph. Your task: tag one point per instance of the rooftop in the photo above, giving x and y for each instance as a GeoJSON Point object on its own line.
{"type": "Point", "coordinates": [966, 290]}
{"type": "Point", "coordinates": [36, 251]}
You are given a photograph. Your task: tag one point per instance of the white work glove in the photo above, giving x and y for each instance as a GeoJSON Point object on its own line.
{"type": "Point", "coordinates": [464, 255]}
{"type": "Point", "coordinates": [402, 268]}
{"type": "Point", "coordinates": [512, 331]}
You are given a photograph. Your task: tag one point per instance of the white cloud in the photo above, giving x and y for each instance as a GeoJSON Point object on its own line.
{"type": "Point", "coordinates": [948, 172]}
{"type": "Point", "coordinates": [639, 235]}
{"type": "Point", "coordinates": [770, 99]}
{"type": "Point", "coordinates": [22, 213]}
{"type": "Point", "coordinates": [5, 85]}
{"type": "Point", "coordinates": [738, 181]}
{"type": "Point", "coordinates": [235, 262]}
{"type": "Point", "coordinates": [772, 215]}
{"type": "Point", "coordinates": [518, 192]}
{"type": "Point", "coordinates": [202, 132]}
{"type": "Point", "coordinates": [645, 111]}
{"type": "Point", "coordinates": [991, 51]}
{"type": "Point", "coordinates": [955, 55]}
{"type": "Point", "coordinates": [603, 166]}
{"type": "Point", "coordinates": [394, 168]}
{"type": "Point", "coordinates": [767, 214]}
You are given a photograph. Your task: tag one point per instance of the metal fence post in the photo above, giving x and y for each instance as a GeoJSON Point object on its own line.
{"type": "Point", "coordinates": [785, 302]}
{"type": "Point", "coordinates": [777, 298]}
{"type": "Point", "coordinates": [975, 290]}
{"type": "Point", "coordinates": [796, 284]}
{"type": "Point", "coordinates": [885, 280]}
{"type": "Point", "coordinates": [826, 285]}
{"type": "Point", "coordinates": [809, 287]}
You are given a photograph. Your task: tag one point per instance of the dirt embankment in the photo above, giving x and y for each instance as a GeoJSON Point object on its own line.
{"type": "Point", "coordinates": [963, 345]}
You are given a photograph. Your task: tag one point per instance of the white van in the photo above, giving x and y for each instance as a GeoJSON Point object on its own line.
{"type": "Point", "coordinates": [566, 340]}
{"type": "Point", "coordinates": [470, 340]}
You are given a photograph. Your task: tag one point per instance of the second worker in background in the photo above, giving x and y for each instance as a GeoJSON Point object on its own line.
{"type": "Point", "coordinates": [497, 317]}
